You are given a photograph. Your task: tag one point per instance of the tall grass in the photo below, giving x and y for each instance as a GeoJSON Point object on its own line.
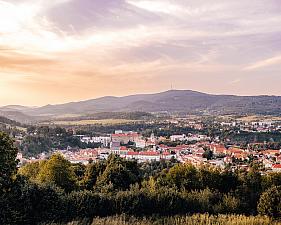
{"type": "Point", "coordinates": [196, 219]}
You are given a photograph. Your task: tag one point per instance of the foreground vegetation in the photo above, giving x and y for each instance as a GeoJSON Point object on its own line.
{"type": "Point", "coordinates": [196, 219]}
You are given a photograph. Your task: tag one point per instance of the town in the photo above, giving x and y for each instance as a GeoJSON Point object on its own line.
{"type": "Point", "coordinates": [205, 144]}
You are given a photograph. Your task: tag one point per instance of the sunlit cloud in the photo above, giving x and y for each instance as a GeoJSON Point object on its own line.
{"type": "Point", "coordinates": [265, 63]}
{"type": "Point", "coordinates": [100, 47]}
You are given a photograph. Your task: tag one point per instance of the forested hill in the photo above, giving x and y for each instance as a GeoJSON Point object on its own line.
{"type": "Point", "coordinates": [4, 120]}
{"type": "Point", "coordinates": [170, 101]}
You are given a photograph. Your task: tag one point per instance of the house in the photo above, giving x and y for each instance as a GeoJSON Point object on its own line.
{"type": "Point", "coordinates": [132, 155]}
{"type": "Point", "coordinates": [178, 137]}
{"type": "Point", "coordinates": [140, 143]}
{"type": "Point", "coordinates": [121, 150]}
{"type": "Point", "coordinates": [103, 140]}
{"type": "Point", "coordinates": [227, 159]}
{"type": "Point", "coordinates": [115, 145]}
{"type": "Point", "coordinates": [143, 156]}
{"type": "Point", "coordinates": [149, 156]}
{"type": "Point", "coordinates": [125, 138]}
{"type": "Point", "coordinates": [218, 149]}
{"type": "Point", "coordinates": [271, 153]}
{"type": "Point", "coordinates": [276, 168]}
{"type": "Point", "coordinates": [167, 156]}
{"type": "Point", "coordinates": [217, 163]}
{"type": "Point", "coordinates": [88, 152]}
{"type": "Point", "coordinates": [267, 163]}
{"type": "Point", "coordinates": [194, 160]}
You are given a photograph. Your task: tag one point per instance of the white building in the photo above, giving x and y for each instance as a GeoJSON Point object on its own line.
{"type": "Point", "coordinates": [140, 143]}
{"type": "Point", "coordinates": [178, 137]}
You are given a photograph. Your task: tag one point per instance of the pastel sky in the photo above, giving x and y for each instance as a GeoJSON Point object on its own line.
{"type": "Point", "coordinates": [67, 50]}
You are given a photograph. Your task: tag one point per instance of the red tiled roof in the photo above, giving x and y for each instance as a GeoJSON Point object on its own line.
{"type": "Point", "coordinates": [132, 153]}
{"type": "Point", "coordinates": [276, 166]}
{"type": "Point", "coordinates": [166, 153]}
{"type": "Point", "coordinates": [149, 153]}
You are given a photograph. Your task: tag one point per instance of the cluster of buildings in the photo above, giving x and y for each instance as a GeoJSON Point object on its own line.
{"type": "Point", "coordinates": [270, 158]}
{"type": "Point", "coordinates": [190, 137]}
{"type": "Point", "coordinates": [255, 126]}
{"type": "Point", "coordinates": [131, 145]}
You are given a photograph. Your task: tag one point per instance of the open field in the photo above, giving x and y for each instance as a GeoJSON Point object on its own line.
{"type": "Point", "coordinates": [89, 122]}
{"type": "Point", "coordinates": [258, 118]}
{"type": "Point", "coordinates": [197, 219]}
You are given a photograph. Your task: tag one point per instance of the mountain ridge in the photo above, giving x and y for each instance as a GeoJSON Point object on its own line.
{"type": "Point", "coordinates": [187, 101]}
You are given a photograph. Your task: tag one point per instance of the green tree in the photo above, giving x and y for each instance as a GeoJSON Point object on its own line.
{"type": "Point", "coordinates": [119, 173]}
{"type": "Point", "coordinates": [208, 154]}
{"type": "Point", "coordinates": [270, 202]}
{"type": "Point", "coordinates": [8, 162]}
{"type": "Point", "coordinates": [183, 176]}
{"type": "Point", "coordinates": [30, 170]}
{"type": "Point", "coordinates": [57, 170]}
{"type": "Point", "coordinates": [92, 172]}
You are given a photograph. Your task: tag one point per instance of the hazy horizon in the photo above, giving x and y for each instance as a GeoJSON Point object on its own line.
{"type": "Point", "coordinates": [60, 51]}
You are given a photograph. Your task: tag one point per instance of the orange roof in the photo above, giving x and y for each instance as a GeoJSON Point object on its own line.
{"type": "Point", "coordinates": [270, 151]}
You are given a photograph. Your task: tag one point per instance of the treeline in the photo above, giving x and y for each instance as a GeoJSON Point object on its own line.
{"type": "Point", "coordinates": [5, 120]}
{"type": "Point", "coordinates": [56, 190]}
{"type": "Point", "coordinates": [234, 136]}
{"type": "Point", "coordinates": [45, 138]}
{"type": "Point", "coordinates": [113, 115]}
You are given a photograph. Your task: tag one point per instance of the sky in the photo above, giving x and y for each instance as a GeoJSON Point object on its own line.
{"type": "Point", "coordinates": [59, 51]}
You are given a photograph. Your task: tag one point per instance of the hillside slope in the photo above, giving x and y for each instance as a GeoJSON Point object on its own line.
{"type": "Point", "coordinates": [169, 101]}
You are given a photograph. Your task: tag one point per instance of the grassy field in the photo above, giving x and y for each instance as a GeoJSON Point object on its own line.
{"type": "Point", "coordinates": [89, 122]}
{"type": "Point", "coordinates": [197, 219]}
{"type": "Point", "coordinates": [258, 118]}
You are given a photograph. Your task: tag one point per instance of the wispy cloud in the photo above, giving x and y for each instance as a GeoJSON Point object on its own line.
{"type": "Point", "coordinates": [265, 63]}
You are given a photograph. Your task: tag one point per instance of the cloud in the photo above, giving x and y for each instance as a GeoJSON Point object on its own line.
{"type": "Point", "coordinates": [102, 46]}
{"type": "Point", "coordinates": [264, 63]}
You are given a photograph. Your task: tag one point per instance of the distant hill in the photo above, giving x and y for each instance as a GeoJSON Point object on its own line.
{"type": "Point", "coordinates": [169, 101]}
{"type": "Point", "coordinates": [6, 121]}
{"type": "Point", "coordinates": [15, 108]}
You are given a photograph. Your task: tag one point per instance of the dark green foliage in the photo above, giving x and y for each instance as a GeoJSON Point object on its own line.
{"type": "Point", "coordinates": [208, 154]}
{"type": "Point", "coordinates": [5, 120]}
{"type": "Point", "coordinates": [57, 171]}
{"type": "Point", "coordinates": [44, 139]}
{"type": "Point", "coordinates": [8, 162]}
{"type": "Point", "coordinates": [92, 172]}
{"type": "Point", "coordinates": [119, 173]}
{"type": "Point", "coordinates": [29, 203]}
{"type": "Point", "coordinates": [86, 204]}
{"type": "Point", "coordinates": [270, 202]}
{"type": "Point", "coordinates": [113, 115]}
